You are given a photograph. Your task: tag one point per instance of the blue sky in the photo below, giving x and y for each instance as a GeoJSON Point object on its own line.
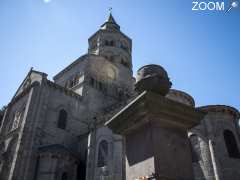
{"type": "Point", "coordinates": [200, 50]}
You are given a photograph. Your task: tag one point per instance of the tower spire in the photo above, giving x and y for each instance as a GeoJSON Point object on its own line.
{"type": "Point", "coordinates": [110, 23]}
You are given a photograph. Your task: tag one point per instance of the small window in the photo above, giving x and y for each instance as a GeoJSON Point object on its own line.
{"type": "Point", "coordinates": [92, 81]}
{"type": "Point", "coordinates": [62, 119]}
{"type": "Point", "coordinates": [76, 79]}
{"type": "Point", "coordinates": [100, 86]}
{"type": "Point", "coordinates": [124, 63]}
{"type": "Point", "coordinates": [102, 153]}
{"type": "Point", "coordinates": [231, 144]}
{"type": "Point", "coordinates": [124, 46]}
{"type": "Point", "coordinates": [109, 43]}
{"type": "Point", "coordinates": [106, 43]}
{"type": "Point", "coordinates": [73, 81]}
{"type": "Point", "coordinates": [94, 44]}
{"type": "Point", "coordinates": [112, 43]}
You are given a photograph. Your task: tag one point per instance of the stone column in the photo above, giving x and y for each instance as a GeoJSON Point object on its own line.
{"type": "Point", "coordinates": [90, 171]}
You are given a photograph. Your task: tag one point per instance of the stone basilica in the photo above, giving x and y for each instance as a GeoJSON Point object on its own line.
{"type": "Point", "coordinates": [95, 121]}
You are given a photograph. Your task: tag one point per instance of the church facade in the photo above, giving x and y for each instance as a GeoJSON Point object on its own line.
{"type": "Point", "coordinates": [96, 121]}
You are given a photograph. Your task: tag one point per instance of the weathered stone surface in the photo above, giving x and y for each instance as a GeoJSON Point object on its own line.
{"type": "Point", "coordinates": [155, 131]}
{"type": "Point", "coordinates": [38, 143]}
{"type": "Point", "coordinates": [153, 78]}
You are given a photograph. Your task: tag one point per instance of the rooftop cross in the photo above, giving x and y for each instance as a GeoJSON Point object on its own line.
{"type": "Point", "coordinates": [110, 10]}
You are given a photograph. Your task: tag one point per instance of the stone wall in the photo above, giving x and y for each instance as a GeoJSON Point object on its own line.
{"type": "Point", "coordinates": [215, 161]}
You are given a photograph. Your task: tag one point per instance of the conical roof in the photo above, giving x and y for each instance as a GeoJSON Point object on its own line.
{"type": "Point", "coordinates": [110, 23]}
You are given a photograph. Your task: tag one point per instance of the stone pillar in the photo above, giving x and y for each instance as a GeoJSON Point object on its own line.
{"type": "Point", "coordinates": [155, 129]}
{"type": "Point", "coordinates": [90, 171]}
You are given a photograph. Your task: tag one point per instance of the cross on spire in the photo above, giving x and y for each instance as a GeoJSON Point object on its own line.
{"type": "Point", "coordinates": [110, 10]}
{"type": "Point", "coordinates": [110, 23]}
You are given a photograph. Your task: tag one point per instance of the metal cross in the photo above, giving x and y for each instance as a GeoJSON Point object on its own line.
{"type": "Point", "coordinates": [110, 9]}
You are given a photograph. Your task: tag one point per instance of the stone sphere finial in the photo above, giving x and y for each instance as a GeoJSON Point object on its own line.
{"type": "Point", "coordinates": [153, 78]}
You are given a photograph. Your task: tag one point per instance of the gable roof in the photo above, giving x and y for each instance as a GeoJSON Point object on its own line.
{"type": "Point", "coordinates": [31, 77]}
{"type": "Point", "coordinates": [80, 59]}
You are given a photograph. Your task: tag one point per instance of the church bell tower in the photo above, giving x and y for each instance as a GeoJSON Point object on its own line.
{"type": "Point", "coordinates": [112, 44]}
{"type": "Point", "coordinates": [110, 68]}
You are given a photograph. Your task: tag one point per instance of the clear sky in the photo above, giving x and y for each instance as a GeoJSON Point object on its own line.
{"type": "Point", "coordinates": [200, 50]}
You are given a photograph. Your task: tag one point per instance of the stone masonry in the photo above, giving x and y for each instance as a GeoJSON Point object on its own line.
{"type": "Point", "coordinates": [95, 122]}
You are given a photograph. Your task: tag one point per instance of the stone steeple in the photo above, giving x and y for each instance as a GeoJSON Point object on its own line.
{"type": "Point", "coordinates": [110, 43]}
{"type": "Point", "coordinates": [110, 24]}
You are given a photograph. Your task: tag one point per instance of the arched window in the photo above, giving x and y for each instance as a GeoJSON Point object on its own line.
{"type": "Point", "coordinates": [100, 86]}
{"type": "Point", "coordinates": [195, 148]}
{"type": "Point", "coordinates": [109, 43]}
{"type": "Point", "coordinates": [124, 46]}
{"type": "Point", "coordinates": [92, 81]}
{"type": "Point", "coordinates": [102, 153]}
{"type": "Point", "coordinates": [62, 119]}
{"type": "Point", "coordinates": [94, 44]}
{"type": "Point", "coordinates": [73, 81]}
{"type": "Point", "coordinates": [106, 43]}
{"type": "Point", "coordinates": [112, 43]}
{"type": "Point", "coordinates": [64, 176]}
{"type": "Point", "coordinates": [231, 144]}
{"type": "Point", "coordinates": [124, 63]}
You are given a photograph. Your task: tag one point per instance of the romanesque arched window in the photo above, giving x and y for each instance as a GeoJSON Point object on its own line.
{"type": "Point", "coordinates": [106, 43]}
{"type": "Point", "coordinates": [64, 176]}
{"type": "Point", "coordinates": [62, 119]}
{"type": "Point", "coordinates": [112, 43]}
{"type": "Point", "coordinates": [73, 81]}
{"type": "Point", "coordinates": [109, 43]}
{"type": "Point", "coordinates": [124, 63]}
{"type": "Point", "coordinates": [231, 144]}
{"type": "Point", "coordinates": [124, 46]}
{"type": "Point", "coordinates": [195, 148]}
{"type": "Point", "coordinates": [92, 81]}
{"type": "Point", "coordinates": [102, 153]}
{"type": "Point", "coordinates": [100, 86]}
{"type": "Point", "coordinates": [94, 44]}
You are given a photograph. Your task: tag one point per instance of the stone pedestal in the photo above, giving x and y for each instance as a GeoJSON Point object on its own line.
{"type": "Point", "coordinates": [156, 142]}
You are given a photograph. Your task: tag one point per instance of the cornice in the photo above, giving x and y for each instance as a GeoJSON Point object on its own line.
{"type": "Point", "coordinates": [67, 91]}
{"type": "Point", "coordinates": [221, 108]}
{"type": "Point", "coordinates": [80, 59]}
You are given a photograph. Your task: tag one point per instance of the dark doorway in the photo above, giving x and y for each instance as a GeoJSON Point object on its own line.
{"type": "Point", "coordinates": [64, 176]}
{"type": "Point", "coordinates": [81, 171]}
{"type": "Point", "coordinates": [62, 119]}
